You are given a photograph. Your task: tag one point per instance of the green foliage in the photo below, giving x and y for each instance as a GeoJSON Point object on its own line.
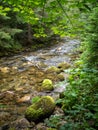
{"type": "Point", "coordinates": [53, 121]}
{"type": "Point", "coordinates": [90, 56]}
{"type": "Point", "coordinates": [7, 38]}
{"type": "Point", "coordinates": [46, 19]}
{"type": "Point", "coordinates": [80, 100]}
{"type": "Point", "coordinates": [49, 17]}
{"type": "Point", "coordinates": [4, 35]}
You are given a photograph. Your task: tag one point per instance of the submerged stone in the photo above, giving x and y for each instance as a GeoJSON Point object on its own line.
{"type": "Point", "coordinates": [41, 109]}
{"type": "Point", "coordinates": [63, 65]}
{"type": "Point", "coordinates": [60, 77]}
{"type": "Point", "coordinates": [20, 124]}
{"type": "Point", "coordinates": [25, 99]}
{"type": "Point", "coordinates": [53, 69]}
{"type": "Point", "coordinates": [47, 85]}
{"type": "Point", "coordinates": [4, 69]}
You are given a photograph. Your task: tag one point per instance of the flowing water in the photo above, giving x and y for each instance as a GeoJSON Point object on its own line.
{"type": "Point", "coordinates": [21, 77]}
{"type": "Point", "coordinates": [48, 57]}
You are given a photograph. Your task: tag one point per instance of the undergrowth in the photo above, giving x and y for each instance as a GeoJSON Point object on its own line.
{"type": "Point", "coordinates": [80, 101]}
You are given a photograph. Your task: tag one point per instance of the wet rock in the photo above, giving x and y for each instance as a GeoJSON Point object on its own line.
{"type": "Point", "coordinates": [41, 126]}
{"type": "Point", "coordinates": [60, 77]}
{"type": "Point", "coordinates": [55, 96]}
{"type": "Point", "coordinates": [64, 65]}
{"type": "Point", "coordinates": [14, 68]}
{"type": "Point", "coordinates": [19, 89]}
{"type": "Point", "coordinates": [5, 127]}
{"type": "Point", "coordinates": [21, 110]}
{"type": "Point", "coordinates": [24, 77]}
{"type": "Point", "coordinates": [53, 69]}
{"type": "Point", "coordinates": [42, 65]}
{"type": "Point", "coordinates": [41, 109]}
{"type": "Point", "coordinates": [51, 76]}
{"type": "Point", "coordinates": [8, 96]}
{"type": "Point", "coordinates": [25, 99]}
{"type": "Point", "coordinates": [4, 117]}
{"type": "Point", "coordinates": [60, 89]}
{"type": "Point", "coordinates": [20, 124]}
{"type": "Point", "coordinates": [66, 76]}
{"type": "Point", "coordinates": [47, 85]}
{"type": "Point", "coordinates": [39, 74]}
{"type": "Point", "coordinates": [4, 69]}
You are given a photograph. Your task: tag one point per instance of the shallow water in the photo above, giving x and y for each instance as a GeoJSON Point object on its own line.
{"type": "Point", "coordinates": [54, 55]}
{"type": "Point", "coordinates": [21, 77]}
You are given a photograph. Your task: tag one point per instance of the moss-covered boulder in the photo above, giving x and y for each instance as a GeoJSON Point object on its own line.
{"type": "Point", "coordinates": [53, 69]}
{"type": "Point", "coordinates": [60, 77]}
{"type": "Point", "coordinates": [47, 85]}
{"type": "Point", "coordinates": [41, 109]}
{"type": "Point", "coordinates": [63, 65]}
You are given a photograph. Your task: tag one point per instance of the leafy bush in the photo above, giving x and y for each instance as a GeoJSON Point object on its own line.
{"type": "Point", "coordinates": [53, 121]}
{"type": "Point", "coordinates": [80, 100]}
{"type": "Point", "coordinates": [90, 56]}
{"type": "Point", "coordinates": [7, 40]}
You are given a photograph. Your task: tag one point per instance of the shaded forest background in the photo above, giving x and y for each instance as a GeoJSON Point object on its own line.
{"type": "Point", "coordinates": [36, 23]}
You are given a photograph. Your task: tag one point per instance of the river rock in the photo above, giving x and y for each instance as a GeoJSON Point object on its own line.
{"type": "Point", "coordinates": [5, 126]}
{"type": "Point", "coordinates": [20, 124]}
{"type": "Point", "coordinates": [47, 85]}
{"type": "Point", "coordinates": [25, 99]}
{"type": "Point", "coordinates": [60, 77]}
{"type": "Point", "coordinates": [8, 96]}
{"type": "Point", "coordinates": [4, 69]}
{"type": "Point", "coordinates": [41, 109]}
{"type": "Point", "coordinates": [53, 69]}
{"type": "Point", "coordinates": [41, 126]}
{"type": "Point", "coordinates": [63, 65]}
{"type": "Point", "coordinates": [4, 117]}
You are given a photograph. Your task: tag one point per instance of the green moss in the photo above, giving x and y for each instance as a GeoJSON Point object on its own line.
{"type": "Point", "coordinates": [41, 109]}
{"type": "Point", "coordinates": [60, 77]}
{"type": "Point", "coordinates": [47, 85]}
{"type": "Point", "coordinates": [63, 65]}
{"type": "Point", "coordinates": [35, 99]}
{"type": "Point", "coordinates": [33, 113]}
{"type": "Point", "coordinates": [53, 69]}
